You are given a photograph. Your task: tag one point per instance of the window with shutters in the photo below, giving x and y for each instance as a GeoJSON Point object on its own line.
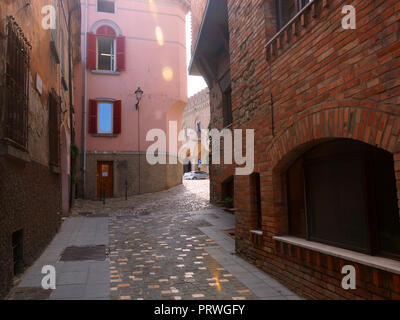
{"type": "Point", "coordinates": [105, 50]}
{"type": "Point", "coordinates": [105, 53]}
{"type": "Point", "coordinates": [105, 124]}
{"type": "Point", "coordinates": [105, 117]}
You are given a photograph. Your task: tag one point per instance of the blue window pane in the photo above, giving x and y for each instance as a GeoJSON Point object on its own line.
{"type": "Point", "coordinates": [105, 118]}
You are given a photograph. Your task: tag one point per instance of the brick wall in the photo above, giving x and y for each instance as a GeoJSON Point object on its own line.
{"type": "Point", "coordinates": [30, 191]}
{"type": "Point", "coordinates": [326, 82]}
{"type": "Point", "coordinates": [31, 201]}
{"type": "Point", "coordinates": [197, 8]}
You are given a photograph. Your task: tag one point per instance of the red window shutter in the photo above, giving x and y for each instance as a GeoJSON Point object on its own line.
{"type": "Point", "coordinates": [92, 116]}
{"type": "Point", "coordinates": [120, 53]}
{"type": "Point", "coordinates": [117, 115]}
{"type": "Point", "coordinates": [91, 58]}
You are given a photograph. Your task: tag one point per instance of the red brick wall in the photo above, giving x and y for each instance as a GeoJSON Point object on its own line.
{"type": "Point", "coordinates": [197, 8]}
{"type": "Point", "coordinates": [326, 82]}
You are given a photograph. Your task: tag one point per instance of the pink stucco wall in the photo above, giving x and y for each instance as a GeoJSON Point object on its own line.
{"type": "Point", "coordinates": [146, 59]}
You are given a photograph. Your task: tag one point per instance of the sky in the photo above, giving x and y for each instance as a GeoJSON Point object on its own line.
{"type": "Point", "coordinates": [195, 84]}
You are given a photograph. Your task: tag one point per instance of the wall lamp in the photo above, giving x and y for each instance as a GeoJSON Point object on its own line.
{"type": "Point", "coordinates": [139, 94]}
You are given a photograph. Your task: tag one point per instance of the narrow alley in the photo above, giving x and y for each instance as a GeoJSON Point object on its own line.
{"type": "Point", "coordinates": [170, 245]}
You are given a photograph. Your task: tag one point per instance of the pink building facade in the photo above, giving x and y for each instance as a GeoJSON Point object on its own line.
{"type": "Point", "coordinates": [128, 45]}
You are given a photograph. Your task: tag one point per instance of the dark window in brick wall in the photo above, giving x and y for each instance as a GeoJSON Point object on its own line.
{"type": "Point", "coordinates": [228, 191]}
{"type": "Point", "coordinates": [227, 107]}
{"type": "Point", "coordinates": [287, 9]}
{"type": "Point", "coordinates": [17, 86]}
{"type": "Point", "coordinates": [256, 200]}
{"type": "Point", "coordinates": [54, 129]}
{"type": "Point", "coordinates": [343, 193]}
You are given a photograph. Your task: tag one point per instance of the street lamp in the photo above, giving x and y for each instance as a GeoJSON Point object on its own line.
{"type": "Point", "coordinates": [139, 94]}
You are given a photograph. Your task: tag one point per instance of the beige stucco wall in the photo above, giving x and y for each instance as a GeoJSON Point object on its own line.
{"type": "Point", "coordinates": [197, 109]}
{"type": "Point", "coordinates": [126, 168]}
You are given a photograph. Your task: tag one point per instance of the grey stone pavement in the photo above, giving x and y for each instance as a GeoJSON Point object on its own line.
{"type": "Point", "coordinates": [75, 279]}
{"type": "Point", "coordinates": [170, 245]}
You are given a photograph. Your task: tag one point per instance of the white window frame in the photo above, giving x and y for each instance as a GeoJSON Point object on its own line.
{"type": "Point", "coordinates": [114, 61]}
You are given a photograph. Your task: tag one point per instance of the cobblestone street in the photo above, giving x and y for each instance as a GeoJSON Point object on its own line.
{"type": "Point", "coordinates": [170, 245]}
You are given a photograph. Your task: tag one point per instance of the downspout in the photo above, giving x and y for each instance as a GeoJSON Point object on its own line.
{"type": "Point", "coordinates": [84, 104]}
{"type": "Point", "coordinates": [71, 106]}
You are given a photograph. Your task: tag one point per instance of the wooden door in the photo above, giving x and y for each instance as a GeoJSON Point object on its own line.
{"type": "Point", "coordinates": [105, 179]}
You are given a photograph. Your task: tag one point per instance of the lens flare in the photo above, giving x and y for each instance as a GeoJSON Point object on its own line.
{"type": "Point", "coordinates": [159, 36]}
{"type": "Point", "coordinates": [168, 74]}
{"type": "Point", "coordinates": [153, 9]}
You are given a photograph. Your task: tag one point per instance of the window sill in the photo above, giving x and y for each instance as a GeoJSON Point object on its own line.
{"type": "Point", "coordinates": [104, 135]}
{"type": "Point", "coordinates": [384, 264]}
{"type": "Point", "coordinates": [106, 72]}
{"type": "Point", "coordinates": [9, 150]}
{"type": "Point", "coordinates": [257, 232]}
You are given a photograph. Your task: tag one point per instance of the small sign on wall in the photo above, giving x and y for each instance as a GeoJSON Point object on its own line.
{"type": "Point", "coordinates": [39, 84]}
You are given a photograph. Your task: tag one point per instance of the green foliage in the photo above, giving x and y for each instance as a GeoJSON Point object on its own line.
{"type": "Point", "coordinates": [75, 152]}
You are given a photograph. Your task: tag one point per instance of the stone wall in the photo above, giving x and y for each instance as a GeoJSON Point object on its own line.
{"type": "Point", "coordinates": [30, 201]}
{"type": "Point", "coordinates": [126, 167]}
{"type": "Point", "coordinates": [30, 190]}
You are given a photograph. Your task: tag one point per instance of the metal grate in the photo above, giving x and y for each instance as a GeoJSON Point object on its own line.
{"type": "Point", "coordinates": [17, 84]}
{"type": "Point", "coordinates": [94, 253]}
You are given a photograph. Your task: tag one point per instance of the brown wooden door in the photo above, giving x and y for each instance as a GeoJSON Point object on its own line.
{"type": "Point", "coordinates": [105, 179]}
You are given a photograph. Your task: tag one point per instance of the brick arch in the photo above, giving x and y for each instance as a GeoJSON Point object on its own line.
{"type": "Point", "coordinates": [223, 174]}
{"type": "Point", "coordinates": [370, 126]}
{"type": "Point", "coordinates": [374, 127]}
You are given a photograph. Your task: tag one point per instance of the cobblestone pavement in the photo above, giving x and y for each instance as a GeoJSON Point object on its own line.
{"type": "Point", "coordinates": [167, 245]}
{"type": "Point", "coordinates": [189, 197]}
{"type": "Point", "coordinates": [164, 257]}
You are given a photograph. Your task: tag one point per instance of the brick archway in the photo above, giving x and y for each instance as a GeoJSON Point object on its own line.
{"type": "Point", "coordinates": [370, 126]}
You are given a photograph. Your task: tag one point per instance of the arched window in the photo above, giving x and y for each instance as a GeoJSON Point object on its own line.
{"type": "Point", "coordinates": [105, 50]}
{"type": "Point", "coordinates": [343, 193]}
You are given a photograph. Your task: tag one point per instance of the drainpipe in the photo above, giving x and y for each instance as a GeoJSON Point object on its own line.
{"type": "Point", "coordinates": [71, 107]}
{"type": "Point", "coordinates": [84, 103]}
